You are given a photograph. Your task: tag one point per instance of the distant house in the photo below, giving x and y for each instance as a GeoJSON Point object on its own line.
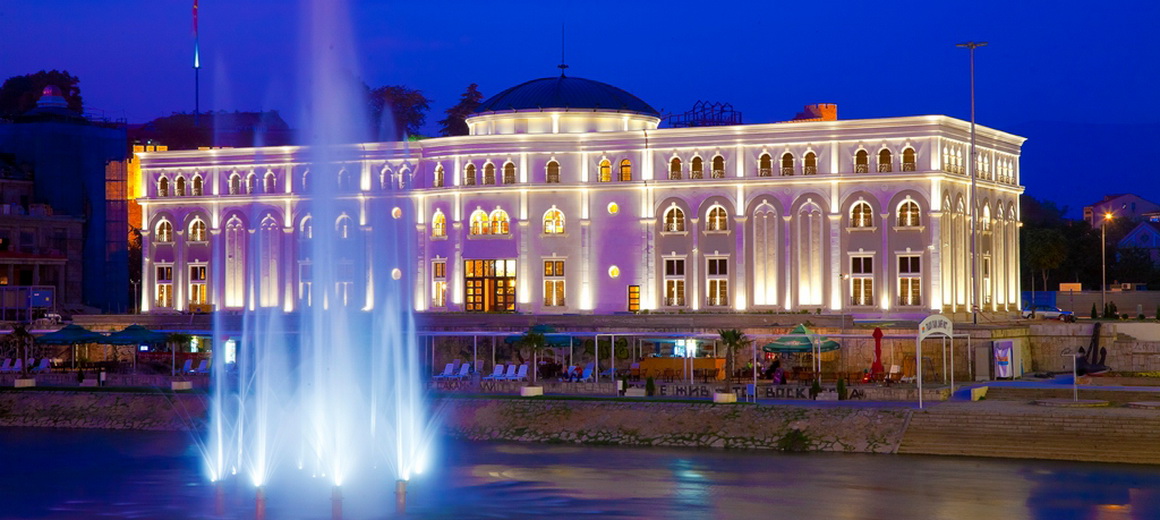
{"type": "Point", "coordinates": [1146, 236]}
{"type": "Point", "coordinates": [214, 130]}
{"type": "Point", "coordinates": [1121, 206]}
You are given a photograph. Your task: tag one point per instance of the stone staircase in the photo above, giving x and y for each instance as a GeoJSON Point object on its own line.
{"type": "Point", "coordinates": [1110, 394]}
{"type": "Point", "coordinates": [1024, 431]}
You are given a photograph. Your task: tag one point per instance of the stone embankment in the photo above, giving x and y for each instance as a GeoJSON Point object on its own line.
{"type": "Point", "coordinates": [687, 424]}
{"type": "Point", "coordinates": [98, 409]}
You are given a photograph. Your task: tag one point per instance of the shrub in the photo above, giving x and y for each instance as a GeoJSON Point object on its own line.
{"type": "Point", "coordinates": [650, 386]}
{"type": "Point", "coordinates": [841, 389]}
{"type": "Point", "coordinates": [794, 440]}
{"type": "Point", "coordinates": [1141, 317]}
{"type": "Point", "coordinates": [1095, 315]}
{"type": "Point", "coordinates": [815, 389]}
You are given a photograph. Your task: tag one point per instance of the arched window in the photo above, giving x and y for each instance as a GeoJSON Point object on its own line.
{"type": "Point", "coordinates": [198, 186]}
{"type": "Point", "coordinates": [469, 175]}
{"type": "Point", "coordinates": [499, 222]}
{"type": "Point", "coordinates": [343, 181]}
{"type": "Point", "coordinates": [554, 222]}
{"type": "Point", "coordinates": [251, 183]}
{"type": "Point", "coordinates": [163, 187]}
{"type": "Point", "coordinates": [438, 177]}
{"type": "Point", "coordinates": [509, 173]}
{"type": "Point", "coordinates": [235, 187]}
{"type": "Point", "coordinates": [675, 169]}
{"type": "Point", "coordinates": [625, 170]}
{"type": "Point", "coordinates": [765, 166]}
{"type": "Point", "coordinates": [861, 215]}
{"type": "Point", "coordinates": [179, 186]}
{"type": "Point", "coordinates": [605, 171]}
{"type": "Point", "coordinates": [986, 224]}
{"type": "Point", "coordinates": [269, 183]}
{"type": "Point", "coordinates": [489, 174]}
{"type": "Point", "coordinates": [908, 160]}
{"type": "Point", "coordinates": [908, 215]}
{"type": "Point", "coordinates": [306, 229]}
{"type": "Point", "coordinates": [164, 231]}
{"type": "Point", "coordinates": [718, 219]}
{"type": "Point", "coordinates": [811, 164]}
{"type": "Point", "coordinates": [197, 230]}
{"type": "Point", "coordinates": [438, 225]}
{"type": "Point", "coordinates": [674, 220]}
{"type": "Point", "coordinates": [718, 171]}
{"type": "Point", "coordinates": [401, 178]}
{"type": "Point", "coordinates": [697, 169]}
{"type": "Point", "coordinates": [343, 226]}
{"type": "Point", "coordinates": [553, 174]}
{"type": "Point", "coordinates": [480, 225]}
{"type": "Point", "coordinates": [862, 162]}
{"type": "Point", "coordinates": [884, 160]}
{"type": "Point", "coordinates": [306, 180]}
{"type": "Point", "coordinates": [787, 164]}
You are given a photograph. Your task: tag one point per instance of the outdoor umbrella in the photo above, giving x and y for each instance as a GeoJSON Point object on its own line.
{"type": "Point", "coordinates": [876, 366]}
{"type": "Point", "coordinates": [71, 335]}
{"type": "Point", "coordinates": [799, 340]}
{"type": "Point", "coordinates": [137, 335]}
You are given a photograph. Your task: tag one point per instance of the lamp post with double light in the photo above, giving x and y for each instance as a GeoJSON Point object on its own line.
{"type": "Point", "coordinates": [1104, 260]}
{"type": "Point", "coordinates": [842, 295]}
{"type": "Point", "coordinates": [971, 164]}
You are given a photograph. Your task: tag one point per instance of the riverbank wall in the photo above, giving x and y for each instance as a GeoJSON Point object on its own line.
{"type": "Point", "coordinates": [102, 410]}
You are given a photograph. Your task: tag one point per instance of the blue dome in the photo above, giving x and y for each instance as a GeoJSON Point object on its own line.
{"type": "Point", "coordinates": [567, 94]}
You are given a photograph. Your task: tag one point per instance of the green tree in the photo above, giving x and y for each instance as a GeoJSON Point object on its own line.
{"type": "Point", "coordinates": [19, 94]}
{"type": "Point", "coordinates": [733, 340]}
{"type": "Point", "coordinates": [1043, 250]}
{"type": "Point", "coordinates": [535, 342]}
{"type": "Point", "coordinates": [456, 122]}
{"type": "Point", "coordinates": [397, 111]}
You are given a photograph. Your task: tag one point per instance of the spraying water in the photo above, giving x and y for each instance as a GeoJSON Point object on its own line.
{"type": "Point", "coordinates": [327, 384]}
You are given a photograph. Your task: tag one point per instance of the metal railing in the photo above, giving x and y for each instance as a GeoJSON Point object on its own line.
{"type": "Point", "coordinates": [884, 167]}
{"type": "Point", "coordinates": [810, 170]}
{"type": "Point", "coordinates": [861, 168]}
{"type": "Point", "coordinates": [787, 171]}
{"type": "Point", "coordinates": [765, 172]}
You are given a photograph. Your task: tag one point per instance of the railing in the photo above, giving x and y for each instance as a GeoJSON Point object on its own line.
{"type": "Point", "coordinates": [673, 227]}
{"type": "Point", "coordinates": [883, 167]}
{"type": "Point", "coordinates": [908, 167]}
{"type": "Point", "coordinates": [787, 171]}
{"type": "Point", "coordinates": [716, 301]}
{"type": "Point", "coordinates": [861, 168]}
{"type": "Point", "coordinates": [765, 172]}
{"type": "Point", "coordinates": [557, 302]}
{"type": "Point", "coordinates": [674, 176]}
{"type": "Point", "coordinates": [718, 174]}
{"type": "Point", "coordinates": [696, 174]}
{"type": "Point", "coordinates": [675, 302]}
{"type": "Point", "coordinates": [810, 170]}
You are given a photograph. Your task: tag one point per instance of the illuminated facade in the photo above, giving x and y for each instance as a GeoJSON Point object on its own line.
{"type": "Point", "coordinates": [567, 198]}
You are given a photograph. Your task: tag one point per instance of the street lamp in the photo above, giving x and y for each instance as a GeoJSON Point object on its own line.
{"type": "Point", "coordinates": [975, 288]}
{"type": "Point", "coordinates": [842, 295]}
{"type": "Point", "coordinates": [1104, 260]}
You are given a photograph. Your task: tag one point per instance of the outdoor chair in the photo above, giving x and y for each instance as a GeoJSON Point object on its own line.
{"type": "Point", "coordinates": [187, 367]}
{"type": "Point", "coordinates": [202, 367]}
{"type": "Point", "coordinates": [586, 376]}
{"type": "Point", "coordinates": [43, 366]}
{"type": "Point", "coordinates": [511, 372]}
{"type": "Point", "coordinates": [496, 373]}
{"type": "Point", "coordinates": [521, 375]}
{"type": "Point", "coordinates": [447, 371]}
{"type": "Point", "coordinates": [895, 374]}
{"type": "Point", "coordinates": [7, 365]}
{"type": "Point", "coordinates": [16, 366]}
{"type": "Point", "coordinates": [464, 371]}
{"type": "Point", "coordinates": [567, 375]}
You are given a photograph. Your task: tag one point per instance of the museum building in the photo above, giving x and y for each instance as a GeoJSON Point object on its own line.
{"type": "Point", "coordinates": [567, 197]}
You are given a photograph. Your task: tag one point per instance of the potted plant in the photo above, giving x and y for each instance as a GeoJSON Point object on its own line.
{"type": "Point", "coordinates": [733, 340]}
{"type": "Point", "coordinates": [535, 342]}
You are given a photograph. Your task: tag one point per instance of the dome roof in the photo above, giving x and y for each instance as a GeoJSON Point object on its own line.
{"type": "Point", "coordinates": [565, 93]}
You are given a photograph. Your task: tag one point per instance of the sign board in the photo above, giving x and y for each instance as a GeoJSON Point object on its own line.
{"type": "Point", "coordinates": [935, 324]}
{"type": "Point", "coordinates": [40, 298]}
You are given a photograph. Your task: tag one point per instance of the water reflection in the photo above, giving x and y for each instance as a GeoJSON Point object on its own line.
{"type": "Point", "coordinates": [56, 474]}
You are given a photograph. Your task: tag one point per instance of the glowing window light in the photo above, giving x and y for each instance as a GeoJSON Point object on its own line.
{"type": "Point", "coordinates": [614, 272]}
{"type": "Point", "coordinates": [613, 208]}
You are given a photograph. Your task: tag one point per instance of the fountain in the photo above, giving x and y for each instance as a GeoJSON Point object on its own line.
{"type": "Point", "coordinates": [327, 386]}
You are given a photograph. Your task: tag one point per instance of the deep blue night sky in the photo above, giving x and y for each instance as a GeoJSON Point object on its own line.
{"type": "Point", "coordinates": [1076, 78]}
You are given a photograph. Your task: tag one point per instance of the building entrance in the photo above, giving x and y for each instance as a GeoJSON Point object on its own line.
{"type": "Point", "coordinates": [490, 285]}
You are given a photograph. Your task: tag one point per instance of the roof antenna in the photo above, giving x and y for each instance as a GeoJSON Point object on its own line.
{"type": "Point", "coordinates": [563, 65]}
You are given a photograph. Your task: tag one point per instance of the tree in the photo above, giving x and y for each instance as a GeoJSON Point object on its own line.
{"type": "Point", "coordinates": [733, 340]}
{"type": "Point", "coordinates": [456, 122]}
{"type": "Point", "coordinates": [19, 94]}
{"type": "Point", "coordinates": [407, 110]}
{"type": "Point", "coordinates": [1043, 250]}
{"type": "Point", "coordinates": [535, 342]}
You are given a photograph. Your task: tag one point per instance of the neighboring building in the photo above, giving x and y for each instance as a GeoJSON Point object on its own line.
{"type": "Point", "coordinates": [80, 172]}
{"type": "Point", "coordinates": [214, 130]}
{"type": "Point", "coordinates": [1146, 236]}
{"type": "Point", "coordinates": [567, 198]}
{"type": "Point", "coordinates": [40, 253]}
{"type": "Point", "coordinates": [1123, 206]}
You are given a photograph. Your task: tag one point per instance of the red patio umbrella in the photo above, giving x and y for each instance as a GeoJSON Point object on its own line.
{"type": "Point", "coordinates": [876, 367]}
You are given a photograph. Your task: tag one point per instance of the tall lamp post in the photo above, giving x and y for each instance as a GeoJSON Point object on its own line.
{"type": "Point", "coordinates": [975, 288]}
{"type": "Point", "coordinates": [842, 295]}
{"type": "Point", "coordinates": [1104, 260]}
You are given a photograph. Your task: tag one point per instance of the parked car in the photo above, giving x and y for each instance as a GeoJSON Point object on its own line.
{"type": "Point", "coordinates": [1049, 312]}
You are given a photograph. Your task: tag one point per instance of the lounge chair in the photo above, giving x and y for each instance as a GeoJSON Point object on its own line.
{"type": "Point", "coordinates": [187, 367]}
{"type": "Point", "coordinates": [567, 375]}
{"type": "Point", "coordinates": [448, 371]}
{"type": "Point", "coordinates": [521, 375]}
{"type": "Point", "coordinates": [496, 373]}
{"type": "Point", "coordinates": [464, 371]}
{"type": "Point", "coordinates": [16, 366]}
{"type": "Point", "coordinates": [203, 367]}
{"type": "Point", "coordinates": [510, 374]}
{"type": "Point", "coordinates": [895, 374]}
{"type": "Point", "coordinates": [7, 365]}
{"type": "Point", "coordinates": [43, 366]}
{"type": "Point", "coordinates": [587, 375]}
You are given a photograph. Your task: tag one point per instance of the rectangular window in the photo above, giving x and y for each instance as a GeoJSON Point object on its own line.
{"type": "Point", "coordinates": [633, 298]}
{"type": "Point", "coordinates": [717, 272]}
{"type": "Point", "coordinates": [197, 279]}
{"type": "Point", "coordinates": [862, 280]}
{"type": "Point", "coordinates": [164, 286]}
{"type": "Point", "coordinates": [553, 283]}
{"type": "Point", "coordinates": [718, 266]}
{"type": "Point", "coordinates": [490, 285]}
{"type": "Point", "coordinates": [305, 282]}
{"type": "Point", "coordinates": [439, 283]}
{"type": "Point", "coordinates": [909, 280]}
{"type": "Point", "coordinates": [987, 280]}
{"type": "Point", "coordinates": [675, 282]}
{"type": "Point", "coordinates": [344, 282]}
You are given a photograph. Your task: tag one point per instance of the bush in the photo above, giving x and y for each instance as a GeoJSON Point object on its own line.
{"type": "Point", "coordinates": [650, 386]}
{"type": "Point", "coordinates": [794, 440]}
{"type": "Point", "coordinates": [1095, 315]}
{"type": "Point", "coordinates": [1141, 317]}
{"type": "Point", "coordinates": [815, 389]}
{"type": "Point", "coordinates": [842, 389]}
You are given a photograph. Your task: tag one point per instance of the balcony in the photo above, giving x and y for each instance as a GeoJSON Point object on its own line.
{"type": "Point", "coordinates": [674, 176]}
{"type": "Point", "coordinates": [861, 168]}
{"type": "Point", "coordinates": [884, 168]}
{"type": "Point", "coordinates": [765, 172]}
{"type": "Point", "coordinates": [717, 301]}
{"type": "Point", "coordinates": [810, 170]}
{"type": "Point", "coordinates": [675, 301]}
{"type": "Point", "coordinates": [787, 171]}
{"type": "Point", "coordinates": [908, 167]}
{"type": "Point", "coordinates": [718, 174]}
{"type": "Point", "coordinates": [696, 174]}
